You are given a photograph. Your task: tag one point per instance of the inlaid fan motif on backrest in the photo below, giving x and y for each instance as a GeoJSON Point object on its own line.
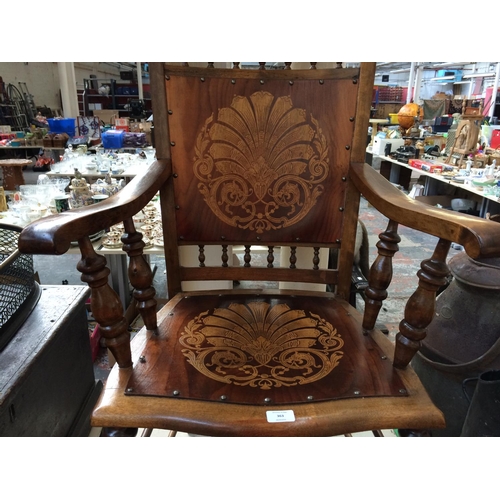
{"type": "Point", "coordinates": [261, 162]}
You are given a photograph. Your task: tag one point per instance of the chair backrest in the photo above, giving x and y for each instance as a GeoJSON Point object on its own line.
{"type": "Point", "coordinates": [260, 157]}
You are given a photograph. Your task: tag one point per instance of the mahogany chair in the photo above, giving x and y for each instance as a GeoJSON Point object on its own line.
{"type": "Point", "coordinates": [271, 158]}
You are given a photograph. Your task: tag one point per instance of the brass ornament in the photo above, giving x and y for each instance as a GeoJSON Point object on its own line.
{"type": "Point", "coordinates": [261, 345]}
{"type": "Point", "coordinates": [261, 162]}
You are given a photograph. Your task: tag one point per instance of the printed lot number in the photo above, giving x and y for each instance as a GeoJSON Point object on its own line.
{"type": "Point", "coordinates": [280, 416]}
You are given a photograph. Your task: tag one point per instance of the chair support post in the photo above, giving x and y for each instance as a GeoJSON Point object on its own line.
{"type": "Point", "coordinates": [140, 274]}
{"type": "Point", "coordinates": [380, 274]}
{"type": "Point", "coordinates": [106, 305]}
{"type": "Point", "coordinates": [419, 310]}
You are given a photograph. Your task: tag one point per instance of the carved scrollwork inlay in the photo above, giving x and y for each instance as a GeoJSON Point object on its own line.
{"type": "Point", "coordinates": [261, 162]}
{"type": "Point", "coordinates": [261, 345]}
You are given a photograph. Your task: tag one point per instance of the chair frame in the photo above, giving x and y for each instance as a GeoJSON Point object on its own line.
{"type": "Point", "coordinates": [53, 235]}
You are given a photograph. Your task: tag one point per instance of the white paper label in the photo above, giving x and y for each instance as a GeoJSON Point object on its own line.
{"type": "Point", "coordinates": [280, 416]}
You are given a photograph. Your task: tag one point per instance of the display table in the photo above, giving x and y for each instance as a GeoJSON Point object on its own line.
{"type": "Point", "coordinates": [47, 384]}
{"type": "Point", "coordinates": [400, 173]}
{"type": "Point", "coordinates": [127, 166]}
{"type": "Point", "coordinates": [13, 173]}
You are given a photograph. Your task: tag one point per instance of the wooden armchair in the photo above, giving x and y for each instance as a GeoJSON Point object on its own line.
{"type": "Point", "coordinates": [270, 158]}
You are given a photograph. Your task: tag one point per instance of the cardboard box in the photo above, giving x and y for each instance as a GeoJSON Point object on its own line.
{"type": "Point", "coordinates": [426, 166]}
{"type": "Point", "coordinates": [121, 122]}
{"type": "Point", "coordinates": [107, 115]}
{"type": "Point", "coordinates": [142, 126]}
{"type": "Point", "coordinates": [417, 163]}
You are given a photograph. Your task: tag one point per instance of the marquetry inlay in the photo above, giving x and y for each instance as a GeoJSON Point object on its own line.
{"type": "Point", "coordinates": [261, 162]}
{"type": "Point", "coordinates": [261, 345]}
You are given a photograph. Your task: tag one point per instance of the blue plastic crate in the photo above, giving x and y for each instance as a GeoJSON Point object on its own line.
{"type": "Point", "coordinates": [62, 126]}
{"type": "Point", "coordinates": [113, 139]}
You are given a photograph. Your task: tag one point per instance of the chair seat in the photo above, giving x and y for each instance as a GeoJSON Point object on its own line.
{"type": "Point", "coordinates": [220, 361]}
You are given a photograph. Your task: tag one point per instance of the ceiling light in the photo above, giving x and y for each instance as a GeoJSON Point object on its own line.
{"type": "Point", "coordinates": [400, 70]}
{"type": "Point", "coordinates": [451, 77]}
{"type": "Point", "coordinates": [478, 75]}
{"type": "Point", "coordinates": [442, 65]}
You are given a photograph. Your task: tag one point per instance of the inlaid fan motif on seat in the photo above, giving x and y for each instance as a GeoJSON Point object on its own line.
{"type": "Point", "coordinates": [261, 345]}
{"type": "Point", "coordinates": [261, 162]}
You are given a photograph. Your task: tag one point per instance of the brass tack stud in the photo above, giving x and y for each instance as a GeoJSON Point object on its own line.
{"type": "Point", "coordinates": [223, 398]}
{"type": "Point", "coordinates": [169, 111]}
{"type": "Point", "coordinates": [291, 82]}
{"type": "Point", "coordinates": [348, 147]}
{"type": "Point", "coordinates": [344, 178]}
{"type": "Point", "coordinates": [351, 118]}
{"type": "Point", "coordinates": [170, 314]}
{"type": "Point", "coordinates": [258, 238]}
{"type": "Point", "coordinates": [176, 175]}
{"type": "Point", "coordinates": [297, 239]}
{"type": "Point", "coordinates": [142, 359]}
{"type": "Point", "coordinates": [310, 398]}
{"type": "Point", "coordinates": [177, 207]}
{"type": "Point", "coordinates": [129, 389]}
{"type": "Point", "coordinates": [172, 143]}
{"type": "Point", "coordinates": [202, 79]}
{"type": "Point", "coordinates": [355, 81]}
{"type": "Point", "coordinates": [357, 393]}
{"type": "Point", "coordinates": [267, 400]}
{"type": "Point", "coordinates": [262, 82]}
{"type": "Point", "coordinates": [337, 240]}
{"type": "Point", "coordinates": [321, 82]}
{"type": "Point", "coordinates": [233, 81]}
{"type": "Point", "coordinates": [402, 391]}
{"type": "Point", "coordinates": [341, 209]}
{"type": "Point", "coordinates": [167, 77]}
{"type": "Point", "coordinates": [383, 357]}
{"type": "Point", "coordinates": [176, 393]}
{"type": "Point", "coordinates": [181, 237]}
{"type": "Point", "coordinates": [222, 237]}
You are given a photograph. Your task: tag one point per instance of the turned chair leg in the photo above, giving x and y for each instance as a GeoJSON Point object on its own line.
{"type": "Point", "coordinates": [419, 310]}
{"type": "Point", "coordinates": [140, 275]}
{"type": "Point", "coordinates": [106, 304]}
{"type": "Point", "coordinates": [380, 275]}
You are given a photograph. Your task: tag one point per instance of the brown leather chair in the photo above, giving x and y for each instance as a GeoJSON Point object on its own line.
{"type": "Point", "coordinates": [270, 158]}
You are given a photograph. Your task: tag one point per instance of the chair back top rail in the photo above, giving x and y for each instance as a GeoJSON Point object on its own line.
{"type": "Point", "coordinates": [275, 74]}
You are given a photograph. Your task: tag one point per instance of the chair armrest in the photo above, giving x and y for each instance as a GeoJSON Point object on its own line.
{"type": "Point", "coordinates": [53, 235]}
{"type": "Point", "coordinates": [479, 237]}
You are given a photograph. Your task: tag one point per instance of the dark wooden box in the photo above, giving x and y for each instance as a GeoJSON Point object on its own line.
{"type": "Point", "coordinates": [47, 384]}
